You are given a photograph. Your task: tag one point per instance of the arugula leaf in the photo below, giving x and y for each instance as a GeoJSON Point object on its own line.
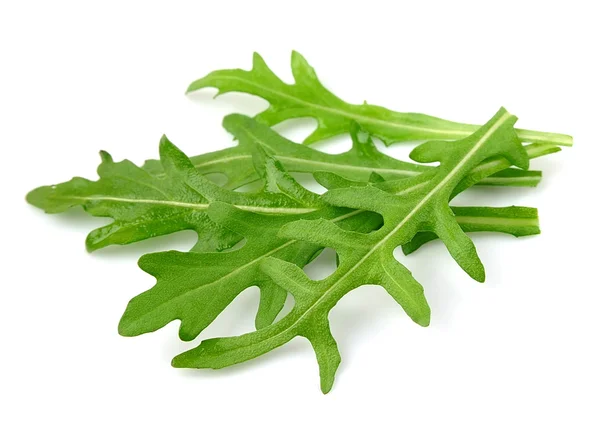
{"type": "Point", "coordinates": [145, 205]}
{"type": "Point", "coordinates": [518, 221]}
{"type": "Point", "coordinates": [195, 288]}
{"type": "Point", "coordinates": [307, 97]}
{"type": "Point", "coordinates": [157, 199]}
{"type": "Point", "coordinates": [358, 163]}
{"type": "Point", "coordinates": [368, 258]}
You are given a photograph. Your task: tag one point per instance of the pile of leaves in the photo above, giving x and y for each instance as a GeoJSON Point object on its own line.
{"type": "Point", "coordinates": [373, 204]}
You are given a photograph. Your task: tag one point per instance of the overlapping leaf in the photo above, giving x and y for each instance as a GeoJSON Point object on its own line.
{"type": "Point", "coordinates": [307, 97]}
{"type": "Point", "coordinates": [157, 199]}
{"type": "Point", "coordinates": [374, 204]}
{"type": "Point", "coordinates": [195, 288]}
{"type": "Point", "coordinates": [366, 258]}
{"type": "Point", "coordinates": [517, 221]}
{"type": "Point", "coordinates": [357, 164]}
{"type": "Point", "coordinates": [144, 205]}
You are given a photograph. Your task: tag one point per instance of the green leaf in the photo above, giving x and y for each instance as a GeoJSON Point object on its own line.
{"type": "Point", "coordinates": [195, 288]}
{"type": "Point", "coordinates": [367, 258]}
{"type": "Point", "coordinates": [145, 205]}
{"type": "Point", "coordinates": [164, 198]}
{"type": "Point", "coordinates": [358, 163]}
{"type": "Point", "coordinates": [307, 97]}
{"type": "Point", "coordinates": [517, 221]}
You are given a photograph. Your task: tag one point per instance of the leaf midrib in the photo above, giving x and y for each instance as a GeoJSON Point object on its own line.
{"type": "Point", "coordinates": [327, 165]}
{"type": "Point", "coordinates": [189, 205]}
{"type": "Point", "coordinates": [381, 170]}
{"type": "Point", "coordinates": [524, 135]}
{"type": "Point", "coordinates": [382, 242]}
{"type": "Point", "coordinates": [357, 117]}
{"type": "Point", "coordinates": [224, 277]}
{"type": "Point", "coordinates": [273, 251]}
{"type": "Point", "coordinates": [500, 221]}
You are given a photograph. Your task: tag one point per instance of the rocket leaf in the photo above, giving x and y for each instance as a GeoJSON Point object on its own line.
{"type": "Point", "coordinates": [368, 258]}
{"type": "Point", "coordinates": [307, 97]}
{"type": "Point", "coordinates": [374, 204]}
{"type": "Point", "coordinates": [518, 221]}
{"type": "Point", "coordinates": [158, 199]}
{"type": "Point", "coordinates": [145, 205]}
{"type": "Point", "coordinates": [358, 163]}
{"type": "Point", "coordinates": [195, 288]}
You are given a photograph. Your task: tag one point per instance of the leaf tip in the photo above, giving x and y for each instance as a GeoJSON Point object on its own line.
{"type": "Point", "coordinates": [297, 57]}
{"type": "Point", "coordinates": [176, 362]}
{"type": "Point", "coordinates": [105, 157]}
{"type": "Point", "coordinates": [165, 142]}
{"type": "Point", "coordinates": [423, 319]}
{"type": "Point", "coordinates": [36, 196]}
{"type": "Point", "coordinates": [185, 334]}
{"type": "Point", "coordinates": [258, 62]}
{"type": "Point", "coordinates": [185, 360]}
{"type": "Point", "coordinates": [124, 327]}
{"type": "Point", "coordinates": [150, 261]}
{"type": "Point", "coordinates": [127, 325]}
{"type": "Point", "coordinates": [194, 86]}
{"type": "Point", "coordinates": [235, 122]}
{"type": "Point", "coordinates": [478, 273]}
{"type": "Point", "coordinates": [326, 386]}
{"type": "Point", "coordinates": [171, 155]}
{"type": "Point", "coordinates": [91, 245]}
{"type": "Point", "coordinates": [327, 375]}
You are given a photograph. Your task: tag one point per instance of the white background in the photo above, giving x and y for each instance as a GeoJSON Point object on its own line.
{"type": "Point", "coordinates": [77, 77]}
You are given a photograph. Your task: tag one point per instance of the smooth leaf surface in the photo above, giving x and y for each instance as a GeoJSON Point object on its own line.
{"type": "Point", "coordinates": [307, 97]}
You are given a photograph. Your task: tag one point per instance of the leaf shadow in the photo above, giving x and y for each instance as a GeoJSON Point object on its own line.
{"type": "Point", "coordinates": [237, 319]}
{"type": "Point", "coordinates": [440, 293]}
{"type": "Point", "coordinates": [296, 129]}
{"type": "Point", "coordinates": [230, 102]}
{"type": "Point", "coordinates": [359, 317]}
{"type": "Point", "coordinates": [287, 353]}
{"type": "Point", "coordinates": [78, 221]}
{"type": "Point", "coordinates": [180, 241]}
